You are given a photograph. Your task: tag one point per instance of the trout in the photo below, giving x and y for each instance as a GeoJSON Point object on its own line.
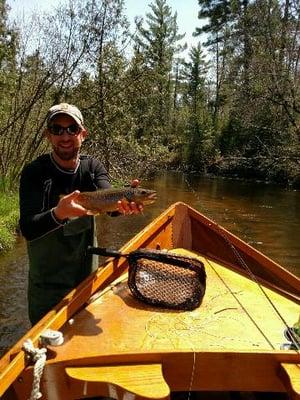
{"type": "Point", "coordinates": [106, 200]}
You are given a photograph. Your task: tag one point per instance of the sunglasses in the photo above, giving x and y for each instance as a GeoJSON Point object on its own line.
{"type": "Point", "coordinates": [58, 130]}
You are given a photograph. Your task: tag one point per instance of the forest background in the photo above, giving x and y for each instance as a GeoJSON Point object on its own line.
{"type": "Point", "coordinates": [230, 106]}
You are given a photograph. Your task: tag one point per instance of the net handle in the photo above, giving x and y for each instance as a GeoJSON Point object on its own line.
{"type": "Point", "coordinates": [155, 255]}
{"type": "Point", "coordinates": [103, 251]}
{"type": "Point", "coordinates": [139, 253]}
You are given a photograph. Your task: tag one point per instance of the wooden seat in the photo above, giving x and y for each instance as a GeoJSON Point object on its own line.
{"type": "Point", "coordinates": [121, 382]}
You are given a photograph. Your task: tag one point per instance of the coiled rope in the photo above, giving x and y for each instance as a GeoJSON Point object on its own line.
{"type": "Point", "coordinates": [38, 356]}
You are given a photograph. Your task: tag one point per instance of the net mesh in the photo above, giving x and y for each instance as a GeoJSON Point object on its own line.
{"type": "Point", "coordinates": [175, 282]}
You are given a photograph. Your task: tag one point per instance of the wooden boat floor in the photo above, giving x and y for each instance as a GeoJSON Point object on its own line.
{"type": "Point", "coordinates": [235, 315]}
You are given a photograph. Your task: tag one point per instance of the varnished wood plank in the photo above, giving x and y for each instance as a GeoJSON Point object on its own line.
{"type": "Point", "coordinates": [144, 380]}
{"type": "Point", "coordinates": [290, 374]}
{"type": "Point", "coordinates": [182, 232]}
{"type": "Point", "coordinates": [213, 371]}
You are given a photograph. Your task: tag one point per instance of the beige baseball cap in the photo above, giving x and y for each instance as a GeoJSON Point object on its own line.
{"type": "Point", "coordinates": [65, 108]}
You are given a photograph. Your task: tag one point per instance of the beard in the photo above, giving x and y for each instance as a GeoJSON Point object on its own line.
{"type": "Point", "coordinates": [66, 154]}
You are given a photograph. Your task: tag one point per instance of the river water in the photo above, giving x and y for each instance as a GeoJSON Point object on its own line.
{"type": "Point", "coordinates": [266, 216]}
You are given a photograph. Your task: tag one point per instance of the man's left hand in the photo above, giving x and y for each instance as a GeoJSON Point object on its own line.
{"type": "Point", "coordinates": [129, 208]}
{"type": "Point", "coordinates": [126, 208]}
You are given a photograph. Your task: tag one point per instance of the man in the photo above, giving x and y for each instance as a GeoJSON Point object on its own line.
{"type": "Point", "coordinates": [57, 238]}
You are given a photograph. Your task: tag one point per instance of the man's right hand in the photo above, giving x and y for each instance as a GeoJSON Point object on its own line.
{"type": "Point", "coordinates": [68, 208]}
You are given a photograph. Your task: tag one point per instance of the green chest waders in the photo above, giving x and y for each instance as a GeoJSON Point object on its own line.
{"type": "Point", "coordinates": [58, 263]}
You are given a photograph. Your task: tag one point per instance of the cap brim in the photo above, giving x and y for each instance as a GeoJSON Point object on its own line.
{"type": "Point", "coordinates": [76, 119]}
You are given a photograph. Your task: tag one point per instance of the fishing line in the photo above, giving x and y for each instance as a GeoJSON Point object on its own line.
{"type": "Point", "coordinates": [244, 265]}
{"type": "Point", "coordinates": [253, 277]}
{"type": "Point", "coordinates": [192, 375]}
{"type": "Point", "coordinates": [156, 325]}
{"type": "Point", "coordinates": [241, 305]}
{"type": "Point", "coordinates": [163, 335]}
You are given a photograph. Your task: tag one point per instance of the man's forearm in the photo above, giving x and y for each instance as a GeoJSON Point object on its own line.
{"type": "Point", "coordinates": [38, 225]}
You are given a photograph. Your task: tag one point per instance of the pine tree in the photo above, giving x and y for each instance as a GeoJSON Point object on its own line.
{"type": "Point", "coordinates": [158, 43]}
{"type": "Point", "coordinates": [199, 124]}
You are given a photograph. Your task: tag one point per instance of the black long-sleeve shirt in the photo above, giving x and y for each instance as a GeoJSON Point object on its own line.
{"type": "Point", "coordinates": [43, 181]}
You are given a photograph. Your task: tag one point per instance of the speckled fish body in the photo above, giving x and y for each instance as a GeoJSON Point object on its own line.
{"type": "Point", "coordinates": [106, 200]}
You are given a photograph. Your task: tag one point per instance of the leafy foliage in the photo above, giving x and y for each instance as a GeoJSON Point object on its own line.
{"type": "Point", "coordinates": [9, 217]}
{"type": "Point", "coordinates": [145, 105]}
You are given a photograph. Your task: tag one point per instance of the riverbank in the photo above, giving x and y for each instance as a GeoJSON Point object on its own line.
{"type": "Point", "coordinates": [281, 171]}
{"type": "Point", "coordinates": [9, 217]}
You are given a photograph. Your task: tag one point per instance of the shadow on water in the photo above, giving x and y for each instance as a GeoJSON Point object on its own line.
{"type": "Point", "coordinates": [265, 216]}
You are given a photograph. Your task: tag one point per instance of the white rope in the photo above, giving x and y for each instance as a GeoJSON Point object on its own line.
{"type": "Point", "coordinates": [38, 356]}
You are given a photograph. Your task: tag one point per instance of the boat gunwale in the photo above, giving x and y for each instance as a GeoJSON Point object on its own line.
{"type": "Point", "coordinates": [254, 363]}
{"type": "Point", "coordinates": [249, 250]}
{"type": "Point", "coordinates": [281, 356]}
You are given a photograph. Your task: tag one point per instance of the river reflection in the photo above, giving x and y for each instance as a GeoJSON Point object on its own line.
{"type": "Point", "coordinates": [266, 216]}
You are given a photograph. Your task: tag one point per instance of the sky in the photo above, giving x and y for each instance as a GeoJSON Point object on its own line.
{"type": "Point", "coordinates": [187, 12]}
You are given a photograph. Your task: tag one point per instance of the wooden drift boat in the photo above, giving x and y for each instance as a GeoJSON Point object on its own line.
{"type": "Point", "coordinates": [119, 347]}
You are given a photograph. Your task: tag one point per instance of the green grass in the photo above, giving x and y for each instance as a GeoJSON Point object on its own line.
{"type": "Point", "coordinates": [9, 217]}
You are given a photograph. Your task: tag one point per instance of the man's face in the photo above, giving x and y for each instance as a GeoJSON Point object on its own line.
{"type": "Point", "coordinates": [65, 146]}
